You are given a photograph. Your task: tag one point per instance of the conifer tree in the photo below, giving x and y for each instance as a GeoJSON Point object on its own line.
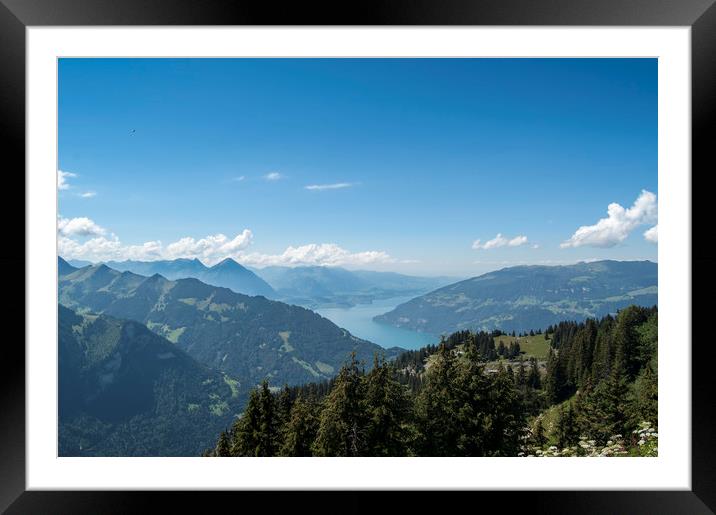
{"type": "Point", "coordinates": [534, 379]}
{"type": "Point", "coordinates": [603, 410]}
{"type": "Point", "coordinates": [538, 437]}
{"type": "Point", "coordinates": [301, 428]}
{"type": "Point", "coordinates": [257, 431]}
{"type": "Point", "coordinates": [283, 406]}
{"type": "Point", "coordinates": [342, 427]}
{"type": "Point", "coordinates": [437, 406]}
{"type": "Point", "coordinates": [643, 401]}
{"type": "Point", "coordinates": [222, 446]}
{"type": "Point", "coordinates": [388, 409]}
{"type": "Point", "coordinates": [505, 423]}
{"type": "Point", "coordinates": [566, 427]}
{"type": "Point", "coordinates": [627, 340]}
{"type": "Point", "coordinates": [521, 375]}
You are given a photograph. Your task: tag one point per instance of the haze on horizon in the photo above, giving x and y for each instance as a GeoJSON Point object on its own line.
{"type": "Point", "coordinates": [421, 166]}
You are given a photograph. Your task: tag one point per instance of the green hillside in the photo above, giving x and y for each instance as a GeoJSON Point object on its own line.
{"type": "Point", "coordinates": [523, 298]}
{"type": "Point", "coordinates": [250, 338]}
{"type": "Point", "coordinates": [125, 391]}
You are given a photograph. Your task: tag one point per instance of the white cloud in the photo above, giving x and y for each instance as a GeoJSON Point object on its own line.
{"type": "Point", "coordinates": [652, 234]}
{"type": "Point", "coordinates": [327, 254]}
{"type": "Point", "coordinates": [238, 179]}
{"type": "Point", "coordinates": [81, 226]}
{"type": "Point", "coordinates": [62, 183]}
{"type": "Point", "coordinates": [88, 194]}
{"type": "Point", "coordinates": [499, 241]}
{"type": "Point", "coordinates": [273, 176]}
{"type": "Point", "coordinates": [336, 186]}
{"type": "Point", "coordinates": [619, 223]}
{"type": "Point", "coordinates": [211, 248]}
{"type": "Point", "coordinates": [535, 246]}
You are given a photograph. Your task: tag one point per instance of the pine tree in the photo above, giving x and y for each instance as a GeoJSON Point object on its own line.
{"type": "Point", "coordinates": [301, 428]}
{"type": "Point", "coordinates": [627, 340]}
{"type": "Point", "coordinates": [566, 427]}
{"type": "Point", "coordinates": [388, 410]}
{"type": "Point", "coordinates": [555, 380]}
{"type": "Point", "coordinates": [283, 406]}
{"type": "Point", "coordinates": [644, 399]}
{"type": "Point", "coordinates": [257, 431]}
{"type": "Point", "coordinates": [222, 446]}
{"type": "Point", "coordinates": [438, 405]}
{"type": "Point", "coordinates": [534, 379]}
{"type": "Point", "coordinates": [521, 375]}
{"type": "Point", "coordinates": [538, 437]}
{"type": "Point", "coordinates": [501, 350]}
{"type": "Point", "coordinates": [343, 421]}
{"type": "Point", "coordinates": [505, 423]}
{"type": "Point", "coordinates": [603, 410]}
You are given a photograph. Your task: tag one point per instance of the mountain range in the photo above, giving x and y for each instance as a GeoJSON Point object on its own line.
{"type": "Point", "coordinates": [249, 338]}
{"type": "Point", "coordinates": [328, 286]}
{"type": "Point", "coordinates": [307, 286]}
{"type": "Point", "coordinates": [227, 273]}
{"type": "Point", "coordinates": [530, 297]}
{"type": "Point", "coordinates": [126, 391]}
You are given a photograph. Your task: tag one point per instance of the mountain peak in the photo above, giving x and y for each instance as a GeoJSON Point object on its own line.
{"type": "Point", "coordinates": [63, 267]}
{"type": "Point", "coordinates": [226, 263]}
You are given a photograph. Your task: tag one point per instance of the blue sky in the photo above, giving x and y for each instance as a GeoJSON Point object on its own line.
{"type": "Point", "coordinates": [385, 164]}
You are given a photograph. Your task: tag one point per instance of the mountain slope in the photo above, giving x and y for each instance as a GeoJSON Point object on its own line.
{"type": "Point", "coordinates": [125, 391]}
{"type": "Point", "coordinates": [530, 297]}
{"type": "Point", "coordinates": [64, 268]}
{"type": "Point", "coordinates": [228, 273]}
{"type": "Point", "coordinates": [249, 338]}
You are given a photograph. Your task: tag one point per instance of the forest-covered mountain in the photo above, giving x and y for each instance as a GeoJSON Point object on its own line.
{"type": "Point", "coordinates": [324, 286]}
{"type": "Point", "coordinates": [530, 297]}
{"type": "Point", "coordinates": [228, 273]}
{"type": "Point", "coordinates": [125, 391]}
{"type": "Point", "coordinates": [598, 396]}
{"type": "Point", "coordinates": [250, 338]}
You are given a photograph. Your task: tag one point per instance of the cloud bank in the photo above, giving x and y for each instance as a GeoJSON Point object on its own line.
{"type": "Point", "coordinates": [618, 224]}
{"type": "Point", "coordinates": [82, 238]}
{"type": "Point", "coordinates": [499, 241]}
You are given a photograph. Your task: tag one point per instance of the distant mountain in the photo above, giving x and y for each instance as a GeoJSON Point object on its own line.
{"type": "Point", "coordinates": [249, 338]}
{"type": "Point", "coordinates": [234, 276]}
{"type": "Point", "coordinates": [228, 273]}
{"type": "Point", "coordinates": [315, 286]}
{"type": "Point", "coordinates": [79, 263]}
{"type": "Point", "coordinates": [64, 268]}
{"type": "Point", "coordinates": [530, 297]}
{"type": "Point", "coordinates": [125, 391]}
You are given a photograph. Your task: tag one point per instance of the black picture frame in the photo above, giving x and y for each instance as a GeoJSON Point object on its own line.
{"type": "Point", "coordinates": [16, 15]}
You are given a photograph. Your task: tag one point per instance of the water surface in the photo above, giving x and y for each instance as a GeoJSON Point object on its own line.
{"type": "Point", "coordinates": [359, 321]}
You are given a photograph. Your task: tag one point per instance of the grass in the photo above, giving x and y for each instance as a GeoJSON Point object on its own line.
{"type": "Point", "coordinates": [286, 346]}
{"type": "Point", "coordinates": [535, 345]}
{"type": "Point", "coordinates": [233, 384]}
{"type": "Point", "coordinates": [530, 346]}
{"type": "Point", "coordinates": [550, 417]}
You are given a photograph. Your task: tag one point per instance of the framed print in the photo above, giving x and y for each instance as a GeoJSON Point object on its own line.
{"type": "Point", "coordinates": [418, 249]}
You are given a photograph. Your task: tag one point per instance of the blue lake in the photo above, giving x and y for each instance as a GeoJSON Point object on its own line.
{"type": "Point", "coordinates": [359, 321]}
